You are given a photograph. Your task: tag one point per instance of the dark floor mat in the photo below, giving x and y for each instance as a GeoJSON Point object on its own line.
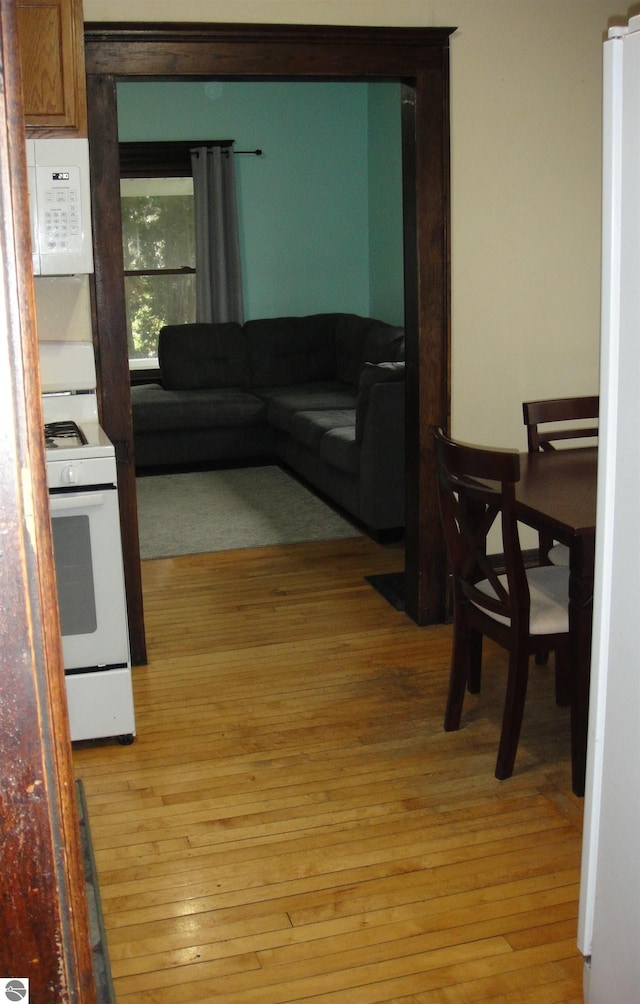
{"type": "Point", "coordinates": [390, 586]}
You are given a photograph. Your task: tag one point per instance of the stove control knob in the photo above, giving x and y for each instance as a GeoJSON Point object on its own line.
{"type": "Point", "coordinates": [70, 475]}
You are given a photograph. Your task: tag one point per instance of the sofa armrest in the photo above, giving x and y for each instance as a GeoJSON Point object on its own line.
{"type": "Point", "coordinates": [372, 376]}
{"type": "Point", "coordinates": [382, 455]}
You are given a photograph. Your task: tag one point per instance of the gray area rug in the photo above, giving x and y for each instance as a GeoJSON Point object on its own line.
{"type": "Point", "coordinates": [224, 510]}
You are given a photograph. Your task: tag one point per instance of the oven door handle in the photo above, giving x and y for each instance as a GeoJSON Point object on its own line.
{"type": "Point", "coordinates": [58, 503]}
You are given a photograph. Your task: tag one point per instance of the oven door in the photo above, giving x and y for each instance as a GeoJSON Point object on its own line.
{"type": "Point", "coordinates": [90, 578]}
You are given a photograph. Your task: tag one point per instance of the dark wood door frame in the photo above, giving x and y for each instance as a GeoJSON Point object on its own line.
{"type": "Point", "coordinates": [43, 907]}
{"type": "Point", "coordinates": [416, 57]}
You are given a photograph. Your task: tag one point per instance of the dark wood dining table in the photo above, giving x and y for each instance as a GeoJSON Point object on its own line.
{"type": "Point", "coordinates": [557, 494]}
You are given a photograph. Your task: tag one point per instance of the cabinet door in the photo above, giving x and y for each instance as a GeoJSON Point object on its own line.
{"type": "Point", "coordinates": [52, 64]}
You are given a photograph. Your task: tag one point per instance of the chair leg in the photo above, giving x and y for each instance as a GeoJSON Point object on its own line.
{"type": "Point", "coordinates": [513, 711]}
{"type": "Point", "coordinates": [545, 543]}
{"type": "Point", "coordinates": [563, 678]}
{"type": "Point", "coordinates": [475, 662]}
{"type": "Point", "coordinates": [459, 674]}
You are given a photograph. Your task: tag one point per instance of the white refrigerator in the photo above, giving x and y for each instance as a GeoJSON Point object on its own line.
{"type": "Point", "coordinates": [609, 923]}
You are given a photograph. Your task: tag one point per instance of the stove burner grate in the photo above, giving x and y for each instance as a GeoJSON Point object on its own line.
{"type": "Point", "coordinates": [63, 430]}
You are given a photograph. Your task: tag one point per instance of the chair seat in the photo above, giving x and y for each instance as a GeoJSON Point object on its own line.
{"type": "Point", "coordinates": [549, 598]}
{"type": "Point", "coordinates": [559, 555]}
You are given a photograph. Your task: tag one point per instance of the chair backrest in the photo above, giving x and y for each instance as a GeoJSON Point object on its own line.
{"type": "Point", "coordinates": [566, 409]}
{"type": "Point", "coordinates": [476, 488]}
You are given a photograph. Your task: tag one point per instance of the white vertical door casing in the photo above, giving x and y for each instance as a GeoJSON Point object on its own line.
{"type": "Point", "coordinates": [610, 331]}
{"type": "Point", "coordinates": [610, 893]}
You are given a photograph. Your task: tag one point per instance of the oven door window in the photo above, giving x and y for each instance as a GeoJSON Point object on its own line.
{"type": "Point", "coordinates": [74, 572]}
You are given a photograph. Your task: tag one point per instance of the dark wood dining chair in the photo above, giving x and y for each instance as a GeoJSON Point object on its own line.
{"type": "Point", "coordinates": [553, 412]}
{"type": "Point", "coordinates": [524, 611]}
{"type": "Point", "coordinates": [546, 426]}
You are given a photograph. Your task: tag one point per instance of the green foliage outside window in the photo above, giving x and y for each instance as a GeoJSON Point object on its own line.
{"type": "Point", "coordinates": [158, 241]}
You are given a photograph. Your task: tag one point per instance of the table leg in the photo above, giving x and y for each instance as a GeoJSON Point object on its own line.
{"type": "Point", "coordinates": [580, 625]}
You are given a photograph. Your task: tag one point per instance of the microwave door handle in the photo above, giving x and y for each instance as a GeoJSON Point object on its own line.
{"type": "Point", "coordinates": [59, 503]}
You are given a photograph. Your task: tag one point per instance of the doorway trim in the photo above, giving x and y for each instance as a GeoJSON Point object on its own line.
{"type": "Point", "coordinates": [418, 58]}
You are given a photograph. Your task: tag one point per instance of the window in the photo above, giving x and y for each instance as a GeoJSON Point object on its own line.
{"type": "Point", "coordinates": [159, 259]}
{"type": "Point", "coordinates": [158, 238]}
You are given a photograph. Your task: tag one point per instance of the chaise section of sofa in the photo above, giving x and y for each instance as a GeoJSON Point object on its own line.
{"type": "Point", "coordinates": [204, 410]}
{"type": "Point", "coordinates": [323, 394]}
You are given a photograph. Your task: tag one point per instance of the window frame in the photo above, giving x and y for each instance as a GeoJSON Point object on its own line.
{"type": "Point", "coordinates": [162, 159]}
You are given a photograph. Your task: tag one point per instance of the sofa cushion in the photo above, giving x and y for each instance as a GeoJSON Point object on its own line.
{"type": "Point", "coordinates": [193, 356]}
{"type": "Point", "coordinates": [338, 448]}
{"type": "Point", "coordinates": [291, 350]}
{"type": "Point", "coordinates": [374, 373]}
{"type": "Point", "coordinates": [363, 339]}
{"type": "Point", "coordinates": [155, 409]}
{"type": "Point", "coordinates": [284, 402]}
{"type": "Point", "coordinates": [308, 427]}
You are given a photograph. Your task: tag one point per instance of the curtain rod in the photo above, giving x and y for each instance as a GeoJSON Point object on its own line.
{"type": "Point", "coordinates": [226, 148]}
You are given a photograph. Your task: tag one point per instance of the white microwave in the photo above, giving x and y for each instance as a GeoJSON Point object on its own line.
{"type": "Point", "coordinates": [60, 206]}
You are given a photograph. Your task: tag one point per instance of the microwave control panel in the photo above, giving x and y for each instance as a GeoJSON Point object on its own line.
{"type": "Point", "coordinates": [59, 203]}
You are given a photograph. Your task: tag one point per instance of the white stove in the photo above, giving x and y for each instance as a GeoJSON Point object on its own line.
{"type": "Point", "coordinates": [77, 453]}
{"type": "Point", "coordinates": [83, 499]}
{"type": "Point", "coordinates": [66, 438]}
{"type": "Point", "coordinates": [73, 434]}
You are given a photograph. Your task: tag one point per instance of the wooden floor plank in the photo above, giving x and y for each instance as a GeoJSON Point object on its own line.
{"type": "Point", "coordinates": [292, 822]}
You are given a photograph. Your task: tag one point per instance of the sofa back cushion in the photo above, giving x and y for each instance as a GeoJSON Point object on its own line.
{"type": "Point", "coordinates": [199, 356]}
{"type": "Point", "coordinates": [291, 350]}
{"type": "Point", "coordinates": [361, 340]}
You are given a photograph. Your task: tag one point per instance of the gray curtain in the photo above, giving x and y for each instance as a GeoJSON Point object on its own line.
{"type": "Point", "coordinates": [218, 270]}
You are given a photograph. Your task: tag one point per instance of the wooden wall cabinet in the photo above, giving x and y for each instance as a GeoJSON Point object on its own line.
{"type": "Point", "coordinates": [52, 64]}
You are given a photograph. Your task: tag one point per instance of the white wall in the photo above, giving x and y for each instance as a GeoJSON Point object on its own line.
{"type": "Point", "coordinates": [526, 168]}
{"type": "Point", "coordinates": [63, 308]}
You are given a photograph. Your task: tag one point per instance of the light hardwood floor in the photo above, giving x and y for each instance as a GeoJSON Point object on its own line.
{"type": "Point", "coordinates": [292, 822]}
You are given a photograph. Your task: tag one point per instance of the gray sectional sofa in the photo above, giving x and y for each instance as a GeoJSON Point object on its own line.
{"type": "Point", "coordinates": [323, 395]}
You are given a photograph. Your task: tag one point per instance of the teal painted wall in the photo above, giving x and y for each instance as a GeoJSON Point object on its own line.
{"type": "Point", "coordinates": [310, 241]}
